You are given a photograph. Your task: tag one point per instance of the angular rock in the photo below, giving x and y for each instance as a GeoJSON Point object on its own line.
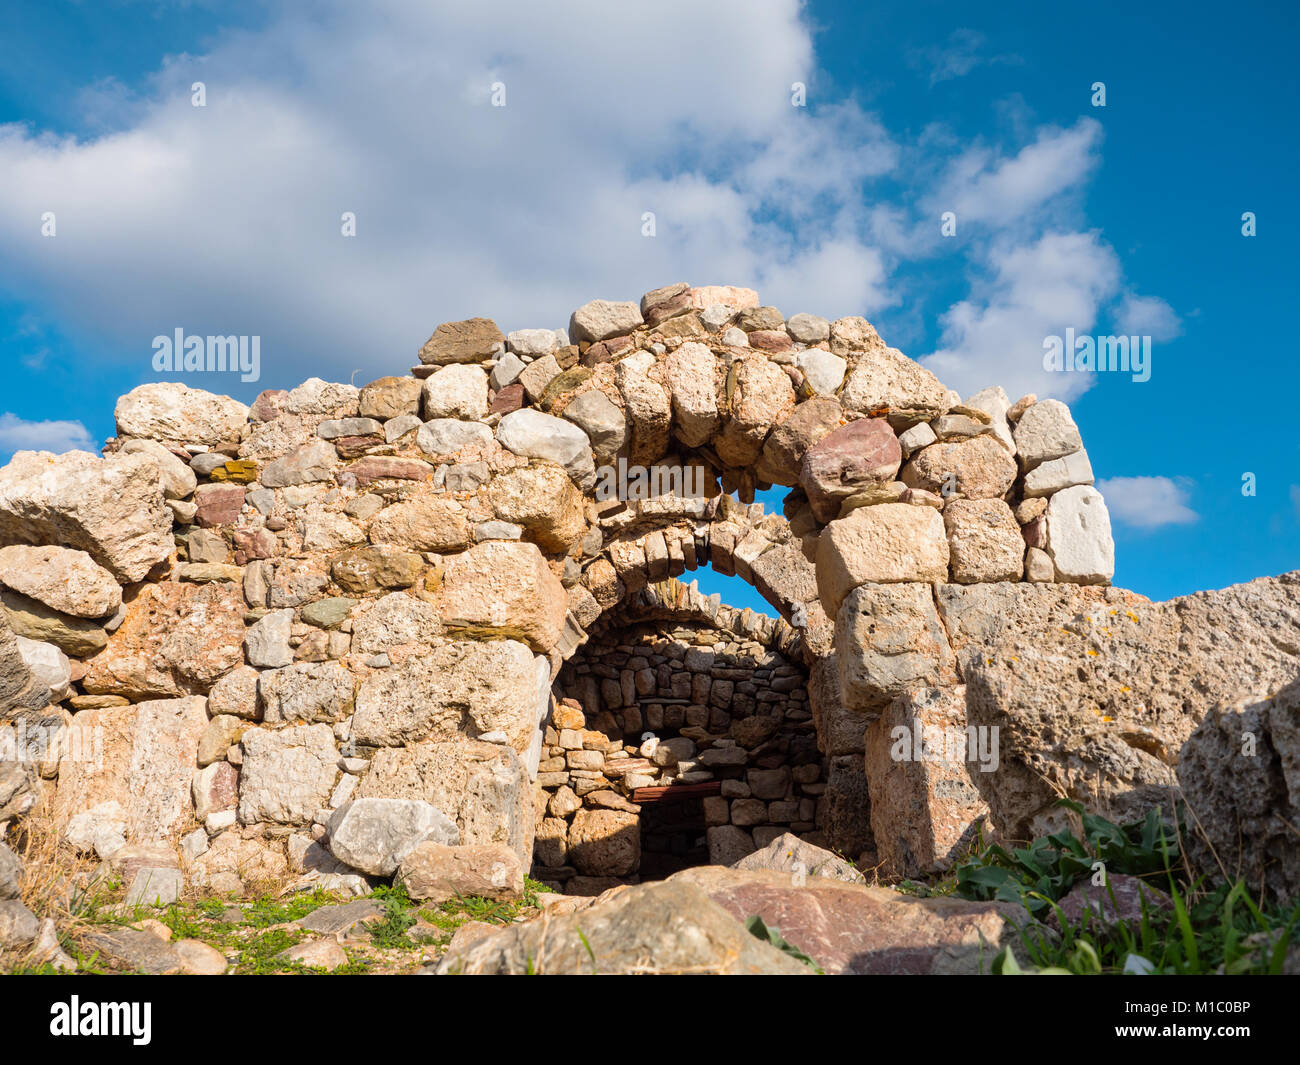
{"type": "Point", "coordinates": [1078, 536]}
{"type": "Point", "coordinates": [600, 319]}
{"type": "Point", "coordinates": [647, 405]}
{"type": "Point", "coordinates": [889, 640]}
{"type": "Point", "coordinates": [472, 340]}
{"type": "Point", "coordinates": [376, 835]}
{"type": "Point", "coordinates": [660, 928]}
{"type": "Point", "coordinates": [1057, 474]}
{"type": "Point", "coordinates": [437, 872]}
{"type": "Point", "coordinates": [465, 687]}
{"type": "Point", "coordinates": [977, 468]}
{"type": "Point", "coordinates": [690, 374]}
{"type": "Point", "coordinates": [307, 692]}
{"type": "Point", "coordinates": [1046, 430]}
{"type": "Point", "coordinates": [544, 500]}
{"type": "Point", "coordinates": [759, 395]}
{"type": "Point", "coordinates": [601, 419]}
{"type": "Point", "coordinates": [483, 787]}
{"type": "Point", "coordinates": [456, 391]}
{"type": "Point", "coordinates": [925, 807]}
{"type": "Point", "coordinates": [500, 589]}
{"type": "Point", "coordinates": [177, 639]}
{"type": "Point", "coordinates": [307, 464]}
{"type": "Point", "coordinates": [541, 436]}
{"type": "Point", "coordinates": [111, 508]}
{"type": "Point", "coordinates": [444, 437]}
{"type": "Point", "coordinates": [882, 377]}
{"type": "Point", "coordinates": [171, 411]}
{"type": "Point", "coordinates": [267, 641]}
{"type": "Point", "coordinates": [142, 757]}
{"type": "Point", "coordinates": [883, 544]}
{"type": "Point", "coordinates": [847, 460]}
{"type": "Point", "coordinates": [854, 929]}
{"type": "Point", "coordinates": [287, 774]}
{"type": "Point", "coordinates": [390, 397]}
{"type": "Point", "coordinates": [789, 854]}
{"type": "Point", "coordinates": [789, 441]}
{"type": "Point", "coordinates": [984, 541]}
{"type": "Point", "coordinates": [426, 523]}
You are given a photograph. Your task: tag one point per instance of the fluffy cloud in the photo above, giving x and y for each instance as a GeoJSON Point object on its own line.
{"type": "Point", "coordinates": [225, 219]}
{"type": "Point", "coordinates": [17, 434]}
{"type": "Point", "coordinates": [1147, 502]}
{"type": "Point", "coordinates": [1034, 291]}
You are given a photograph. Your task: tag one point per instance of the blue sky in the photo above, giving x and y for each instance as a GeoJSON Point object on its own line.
{"type": "Point", "coordinates": [1124, 218]}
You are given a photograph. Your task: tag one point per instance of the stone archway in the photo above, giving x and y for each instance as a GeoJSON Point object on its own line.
{"type": "Point", "coordinates": [345, 594]}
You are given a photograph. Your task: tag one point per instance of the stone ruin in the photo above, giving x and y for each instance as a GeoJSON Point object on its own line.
{"type": "Point", "coordinates": [291, 641]}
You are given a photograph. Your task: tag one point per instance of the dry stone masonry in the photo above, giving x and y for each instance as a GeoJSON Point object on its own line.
{"type": "Point", "coordinates": [401, 631]}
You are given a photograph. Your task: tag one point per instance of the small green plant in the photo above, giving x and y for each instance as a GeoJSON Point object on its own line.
{"type": "Point", "coordinates": [758, 928]}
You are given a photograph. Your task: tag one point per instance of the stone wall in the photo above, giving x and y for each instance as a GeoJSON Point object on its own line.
{"type": "Point", "coordinates": [677, 690]}
{"type": "Point", "coordinates": [338, 594]}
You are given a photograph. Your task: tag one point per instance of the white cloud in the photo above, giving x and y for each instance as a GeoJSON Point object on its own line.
{"type": "Point", "coordinates": [225, 219]}
{"type": "Point", "coordinates": [957, 56]}
{"type": "Point", "coordinates": [1147, 316]}
{"type": "Point", "coordinates": [985, 188]}
{"type": "Point", "coordinates": [1147, 502]}
{"type": "Point", "coordinates": [17, 434]}
{"type": "Point", "coordinates": [1035, 291]}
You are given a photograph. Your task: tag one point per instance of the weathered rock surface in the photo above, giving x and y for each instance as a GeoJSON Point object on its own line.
{"type": "Point", "coordinates": [171, 411]}
{"type": "Point", "coordinates": [663, 928]}
{"type": "Point", "coordinates": [111, 508]}
{"type": "Point", "coordinates": [852, 929]}
{"type": "Point", "coordinates": [68, 581]}
{"type": "Point", "coordinates": [437, 872]}
{"type": "Point", "coordinates": [884, 544]}
{"type": "Point", "coordinates": [376, 835]}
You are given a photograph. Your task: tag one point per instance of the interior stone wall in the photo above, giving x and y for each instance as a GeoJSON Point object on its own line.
{"type": "Point", "coordinates": [676, 692]}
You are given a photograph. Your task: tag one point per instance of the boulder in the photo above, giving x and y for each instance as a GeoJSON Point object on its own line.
{"type": "Point", "coordinates": [884, 544]}
{"type": "Point", "coordinates": [503, 589]}
{"type": "Point", "coordinates": [483, 787]}
{"type": "Point", "coordinates": [310, 463]}
{"type": "Point", "coordinates": [437, 872]}
{"type": "Point", "coordinates": [984, 541]}
{"type": "Point", "coordinates": [49, 667]}
{"type": "Point", "coordinates": [465, 687]}
{"type": "Point", "coordinates": [846, 460]}
{"type": "Point", "coordinates": [396, 620]}
{"type": "Point", "coordinates": [920, 762]}
{"type": "Point", "coordinates": [287, 775]}
{"type": "Point", "coordinates": [111, 508]}
{"type": "Point", "coordinates": [852, 929]}
{"type": "Point", "coordinates": [141, 756]}
{"type": "Point", "coordinates": [544, 500]}
{"type": "Point", "coordinates": [472, 340]}
{"type": "Point", "coordinates": [661, 928]}
{"type": "Point", "coordinates": [178, 480]}
{"type": "Point", "coordinates": [1056, 474]}
{"type": "Point", "coordinates": [177, 639]}
{"type": "Point", "coordinates": [171, 411]}
{"type": "Point", "coordinates": [376, 835]}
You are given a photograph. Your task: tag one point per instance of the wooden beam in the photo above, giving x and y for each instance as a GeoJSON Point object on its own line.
{"type": "Point", "coordinates": [676, 792]}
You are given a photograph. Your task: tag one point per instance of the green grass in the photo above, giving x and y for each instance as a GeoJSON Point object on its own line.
{"type": "Point", "coordinates": [1203, 930]}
